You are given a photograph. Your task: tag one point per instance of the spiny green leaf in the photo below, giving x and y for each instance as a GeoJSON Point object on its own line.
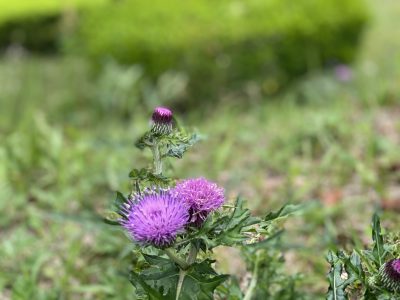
{"type": "Point", "coordinates": [284, 211]}
{"type": "Point", "coordinates": [155, 260]}
{"type": "Point", "coordinates": [353, 266]}
{"type": "Point", "coordinates": [119, 200]}
{"type": "Point", "coordinates": [145, 141]}
{"type": "Point", "coordinates": [197, 286]}
{"type": "Point", "coordinates": [338, 278]}
{"type": "Point", "coordinates": [378, 250]}
{"type": "Point", "coordinates": [179, 142]}
{"type": "Point", "coordinates": [111, 217]}
{"type": "Point", "coordinates": [147, 175]}
{"type": "Point", "coordinates": [266, 242]}
{"type": "Point", "coordinates": [138, 282]}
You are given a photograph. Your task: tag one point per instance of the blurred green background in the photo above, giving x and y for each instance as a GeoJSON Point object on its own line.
{"type": "Point", "coordinates": [300, 101]}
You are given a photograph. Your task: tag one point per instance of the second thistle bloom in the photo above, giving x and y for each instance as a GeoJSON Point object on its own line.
{"type": "Point", "coordinates": [390, 275]}
{"type": "Point", "coordinates": [155, 218]}
{"type": "Point", "coordinates": [161, 120]}
{"type": "Point", "coordinates": [202, 195]}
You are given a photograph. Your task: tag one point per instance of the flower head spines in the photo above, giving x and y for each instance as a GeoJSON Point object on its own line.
{"type": "Point", "coordinates": [202, 196]}
{"type": "Point", "coordinates": [390, 275]}
{"type": "Point", "coordinates": [162, 120]}
{"type": "Point", "coordinates": [155, 218]}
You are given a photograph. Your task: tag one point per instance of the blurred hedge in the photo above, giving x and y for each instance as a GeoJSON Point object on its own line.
{"type": "Point", "coordinates": [35, 24]}
{"type": "Point", "coordinates": [220, 43]}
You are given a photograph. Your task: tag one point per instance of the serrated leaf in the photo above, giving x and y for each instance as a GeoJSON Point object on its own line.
{"type": "Point", "coordinates": [155, 260]}
{"type": "Point", "coordinates": [353, 266]}
{"type": "Point", "coordinates": [119, 200]}
{"type": "Point", "coordinates": [144, 141]}
{"type": "Point", "coordinates": [179, 142]}
{"type": "Point", "coordinates": [236, 227]}
{"type": "Point", "coordinates": [284, 212]}
{"type": "Point", "coordinates": [204, 267]}
{"type": "Point", "coordinates": [138, 174]}
{"type": "Point", "coordinates": [162, 276]}
{"type": "Point", "coordinates": [161, 280]}
{"type": "Point", "coordinates": [197, 286]}
{"type": "Point", "coordinates": [138, 282]}
{"type": "Point", "coordinates": [338, 278]}
{"type": "Point", "coordinates": [111, 217]}
{"type": "Point", "coordinates": [378, 250]}
{"type": "Point", "coordinates": [147, 175]}
{"type": "Point", "coordinates": [267, 242]}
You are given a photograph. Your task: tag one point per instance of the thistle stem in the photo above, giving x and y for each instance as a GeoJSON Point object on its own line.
{"type": "Point", "coordinates": [179, 261]}
{"type": "Point", "coordinates": [192, 254]}
{"type": "Point", "coordinates": [182, 272]}
{"type": "Point", "coordinates": [254, 279]}
{"type": "Point", "coordinates": [157, 162]}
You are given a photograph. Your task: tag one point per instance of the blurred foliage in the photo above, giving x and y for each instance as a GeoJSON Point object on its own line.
{"type": "Point", "coordinates": [228, 42]}
{"type": "Point", "coordinates": [66, 141]}
{"type": "Point", "coordinates": [39, 25]}
{"type": "Point", "coordinates": [225, 41]}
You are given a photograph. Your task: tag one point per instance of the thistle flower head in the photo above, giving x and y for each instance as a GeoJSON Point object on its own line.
{"type": "Point", "coordinates": [155, 218]}
{"type": "Point", "coordinates": [390, 274]}
{"type": "Point", "coordinates": [162, 120]}
{"type": "Point", "coordinates": [201, 195]}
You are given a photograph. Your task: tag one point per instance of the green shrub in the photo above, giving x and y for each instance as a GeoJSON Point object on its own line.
{"type": "Point", "coordinates": [36, 24]}
{"type": "Point", "coordinates": [221, 43]}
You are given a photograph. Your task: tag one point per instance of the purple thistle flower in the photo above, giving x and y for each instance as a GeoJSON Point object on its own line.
{"type": "Point", "coordinates": [162, 120]}
{"type": "Point", "coordinates": [155, 218]}
{"type": "Point", "coordinates": [390, 274]}
{"type": "Point", "coordinates": [201, 195]}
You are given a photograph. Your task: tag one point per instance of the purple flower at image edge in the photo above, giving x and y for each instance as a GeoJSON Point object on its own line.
{"type": "Point", "coordinates": [390, 274]}
{"type": "Point", "coordinates": [155, 218]}
{"type": "Point", "coordinates": [202, 195]}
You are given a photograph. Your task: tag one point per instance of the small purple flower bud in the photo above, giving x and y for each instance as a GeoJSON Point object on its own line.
{"type": "Point", "coordinates": [201, 195]}
{"type": "Point", "coordinates": [155, 218]}
{"type": "Point", "coordinates": [162, 120]}
{"type": "Point", "coordinates": [390, 275]}
{"type": "Point", "coordinates": [343, 73]}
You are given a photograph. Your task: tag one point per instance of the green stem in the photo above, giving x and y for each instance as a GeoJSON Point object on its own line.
{"type": "Point", "coordinates": [254, 279]}
{"type": "Point", "coordinates": [192, 254]}
{"type": "Point", "coordinates": [182, 272]}
{"type": "Point", "coordinates": [157, 162]}
{"type": "Point", "coordinates": [179, 261]}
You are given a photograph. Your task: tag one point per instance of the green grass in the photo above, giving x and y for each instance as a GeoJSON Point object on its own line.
{"type": "Point", "coordinates": [64, 150]}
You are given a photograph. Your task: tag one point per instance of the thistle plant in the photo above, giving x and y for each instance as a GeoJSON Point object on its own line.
{"type": "Point", "coordinates": [174, 225]}
{"type": "Point", "coordinates": [372, 273]}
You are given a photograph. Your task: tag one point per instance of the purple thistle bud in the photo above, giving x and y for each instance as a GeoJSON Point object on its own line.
{"type": "Point", "coordinates": [201, 195]}
{"type": "Point", "coordinates": [390, 275]}
{"type": "Point", "coordinates": [162, 120]}
{"type": "Point", "coordinates": [155, 218]}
